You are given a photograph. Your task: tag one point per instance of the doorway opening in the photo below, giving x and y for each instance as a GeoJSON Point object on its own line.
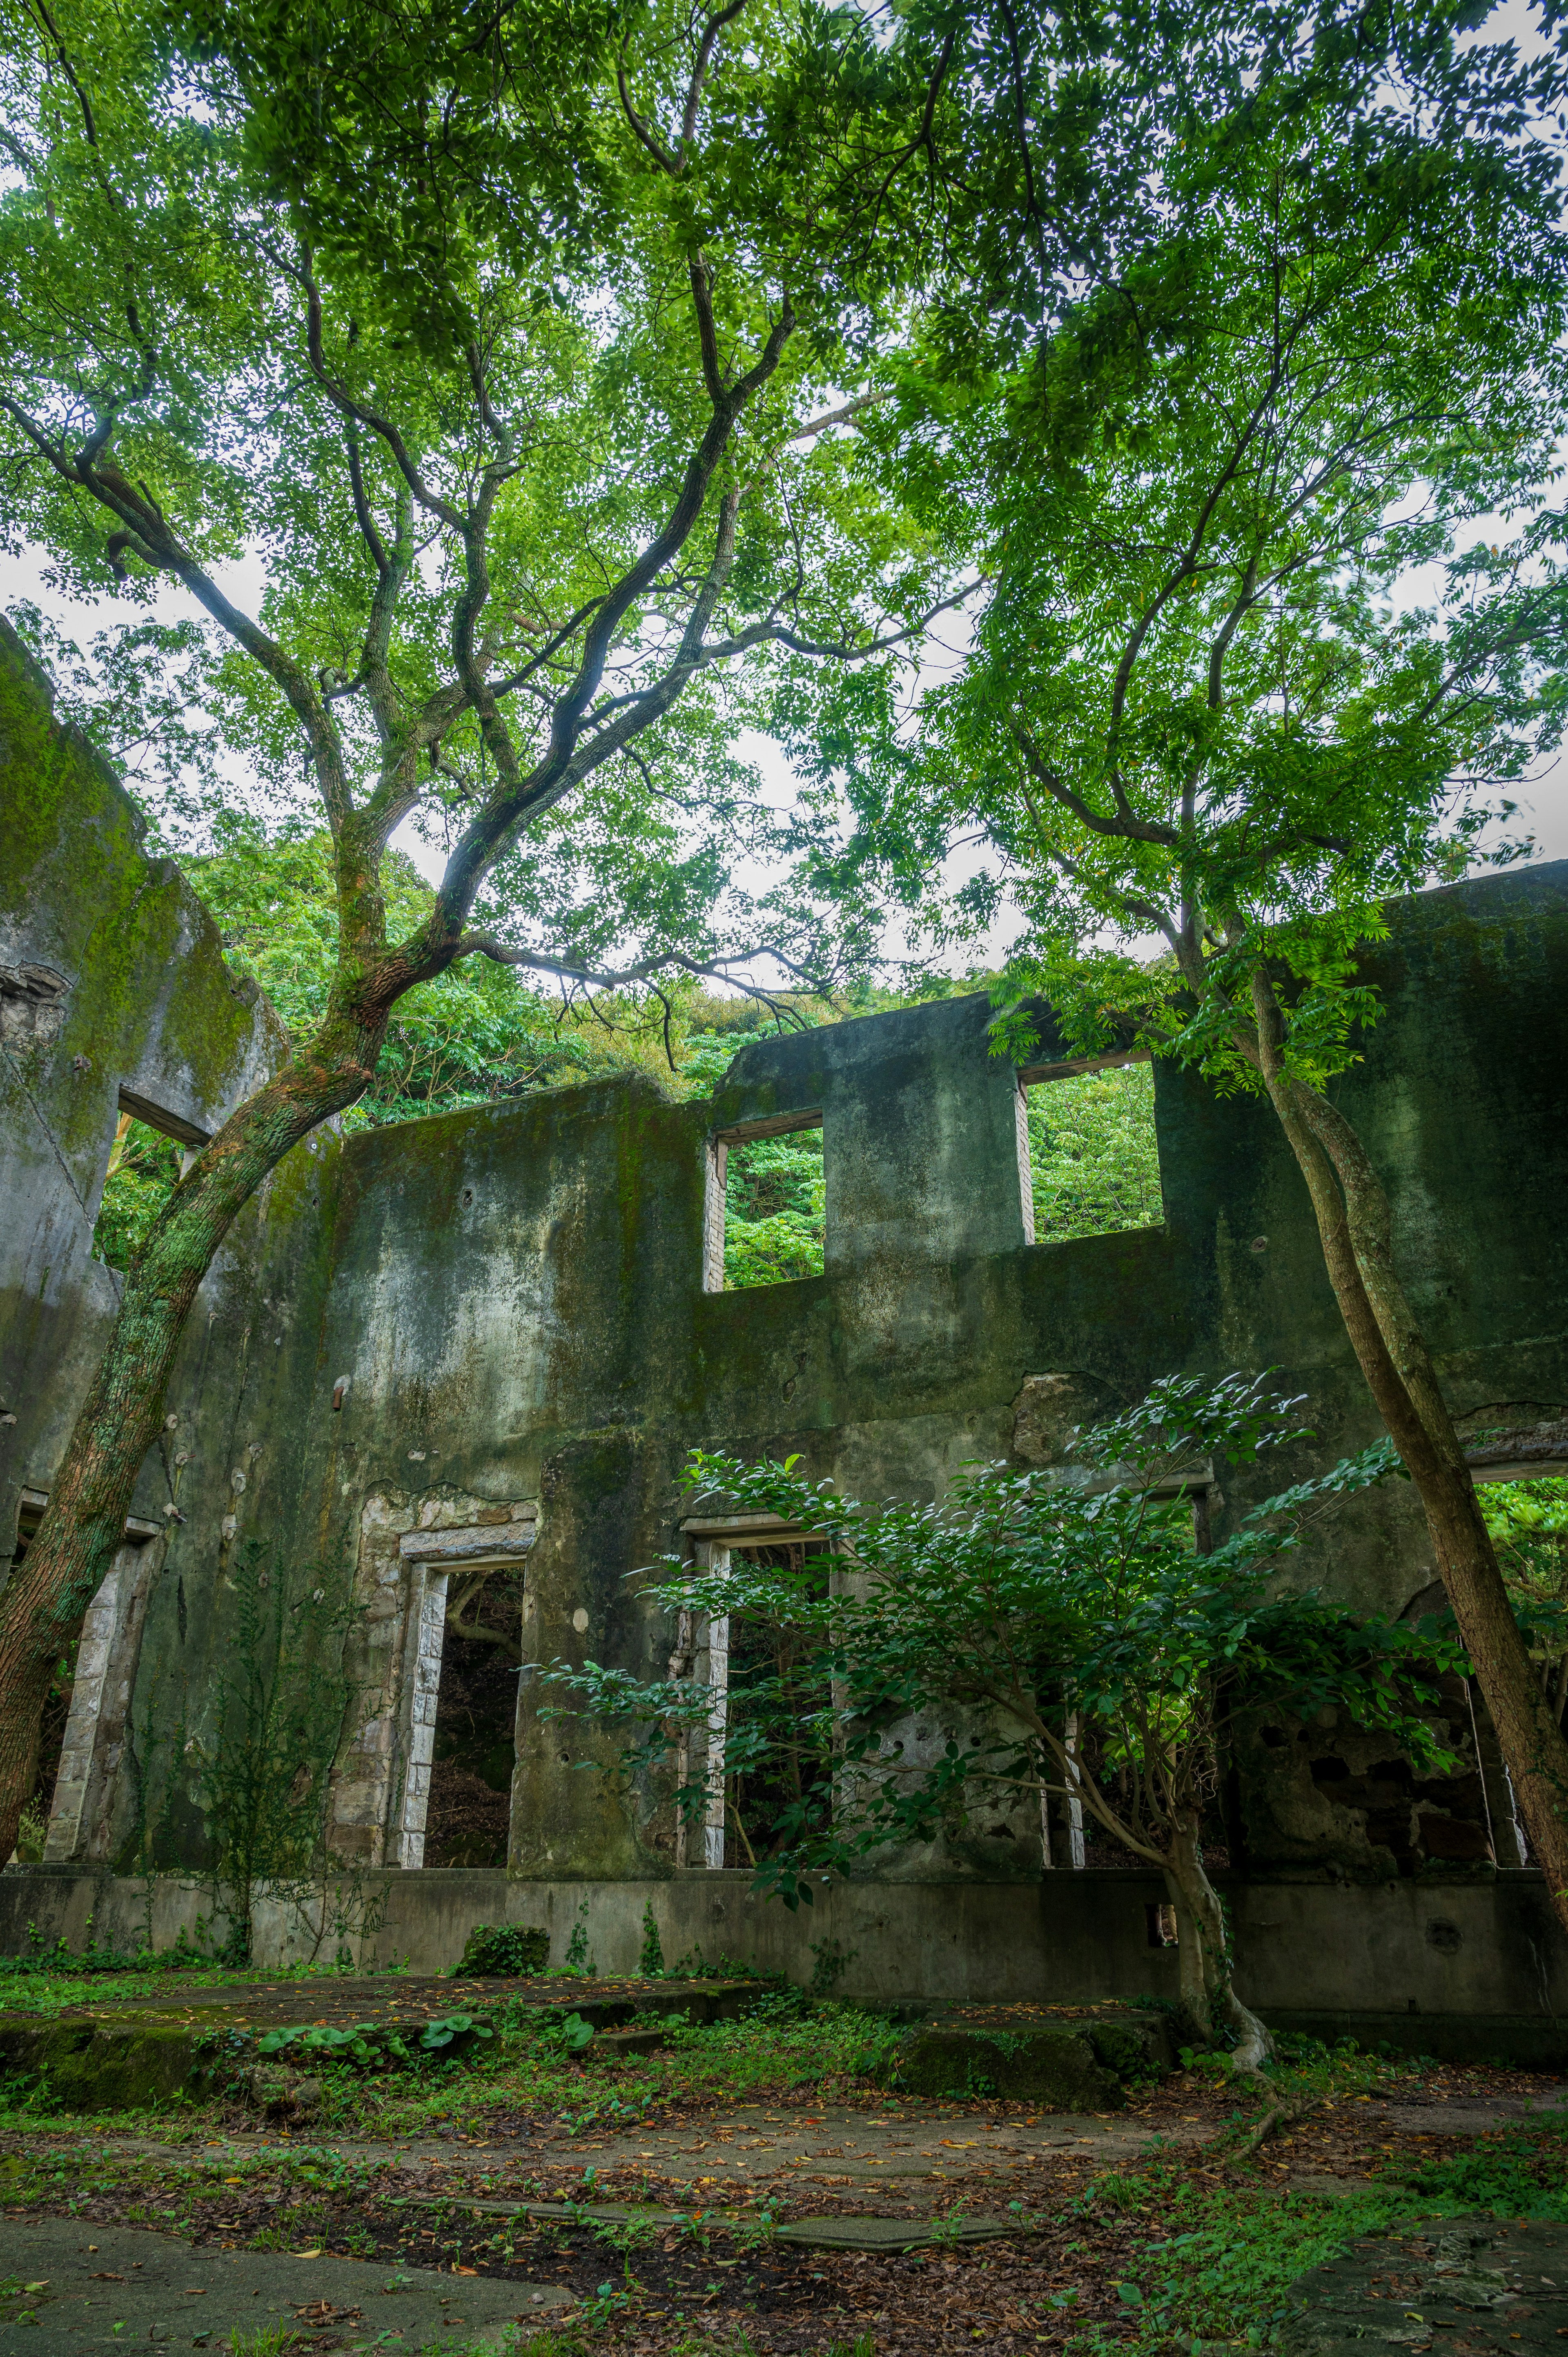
{"type": "Point", "coordinates": [32, 1829]}
{"type": "Point", "coordinates": [469, 1815]}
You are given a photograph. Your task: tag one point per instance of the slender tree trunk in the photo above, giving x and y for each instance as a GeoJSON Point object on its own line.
{"type": "Point", "coordinates": [1356, 1225]}
{"type": "Point", "coordinates": [1203, 1956]}
{"type": "Point", "coordinates": [43, 1604]}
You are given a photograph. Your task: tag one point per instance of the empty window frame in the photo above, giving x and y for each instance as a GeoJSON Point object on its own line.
{"type": "Point", "coordinates": [1087, 1161]}
{"type": "Point", "coordinates": [765, 1222]}
{"type": "Point", "coordinates": [1524, 1503]}
{"type": "Point", "coordinates": [151, 1152]}
{"type": "Point", "coordinates": [722, 1658]}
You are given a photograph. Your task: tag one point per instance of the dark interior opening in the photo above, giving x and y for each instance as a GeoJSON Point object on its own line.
{"type": "Point", "coordinates": [470, 1814]}
{"type": "Point", "coordinates": [754, 1803]}
{"type": "Point", "coordinates": [35, 1820]}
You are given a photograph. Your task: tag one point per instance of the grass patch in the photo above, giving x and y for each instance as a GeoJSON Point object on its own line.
{"type": "Point", "coordinates": [784, 2040]}
{"type": "Point", "coordinates": [1227, 2254]}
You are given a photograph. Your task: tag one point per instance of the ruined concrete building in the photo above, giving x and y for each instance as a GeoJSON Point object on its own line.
{"type": "Point", "coordinates": [464, 1358]}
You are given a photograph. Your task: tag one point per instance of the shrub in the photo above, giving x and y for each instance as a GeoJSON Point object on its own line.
{"type": "Point", "coordinates": [504, 1951]}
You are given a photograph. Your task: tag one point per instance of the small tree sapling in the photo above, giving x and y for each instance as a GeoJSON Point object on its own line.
{"type": "Point", "coordinates": [1026, 1602]}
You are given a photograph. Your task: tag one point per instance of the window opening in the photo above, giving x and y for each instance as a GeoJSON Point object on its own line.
{"type": "Point", "coordinates": [767, 1215]}
{"type": "Point", "coordinates": [77, 1690]}
{"type": "Point", "coordinates": [755, 1800]}
{"type": "Point", "coordinates": [726, 1654]}
{"type": "Point", "coordinates": [1526, 1511]}
{"type": "Point", "coordinates": [469, 1814]}
{"type": "Point", "coordinates": [152, 1149]}
{"type": "Point", "coordinates": [1087, 1161]}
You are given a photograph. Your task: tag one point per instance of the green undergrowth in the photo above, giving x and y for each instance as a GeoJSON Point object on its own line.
{"type": "Point", "coordinates": [56, 1979]}
{"type": "Point", "coordinates": [1215, 2263]}
{"type": "Point", "coordinates": [535, 2065]}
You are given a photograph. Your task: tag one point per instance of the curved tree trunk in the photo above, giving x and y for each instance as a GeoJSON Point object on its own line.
{"type": "Point", "coordinates": [43, 1604]}
{"type": "Point", "coordinates": [1356, 1225]}
{"type": "Point", "coordinates": [1203, 1955]}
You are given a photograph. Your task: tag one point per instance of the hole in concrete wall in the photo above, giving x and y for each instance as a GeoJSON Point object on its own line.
{"type": "Point", "coordinates": [469, 1811]}
{"type": "Point", "coordinates": [766, 1220]}
{"type": "Point", "coordinates": [144, 1169]}
{"type": "Point", "coordinates": [754, 1803]}
{"type": "Point", "coordinates": [1526, 1515]}
{"type": "Point", "coordinates": [1087, 1161]}
{"type": "Point", "coordinates": [151, 1149]}
{"type": "Point", "coordinates": [1161, 1920]}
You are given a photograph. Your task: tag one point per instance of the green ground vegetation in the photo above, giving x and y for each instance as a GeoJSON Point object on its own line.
{"type": "Point", "coordinates": [1202, 2255]}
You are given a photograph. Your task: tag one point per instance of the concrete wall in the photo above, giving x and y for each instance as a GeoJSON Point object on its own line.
{"type": "Point", "coordinates": [113, 985]}
{"type": "Point", "coordinates": [1469, 1970]}
{"type": "Point", "coordinates": [499, 1319]}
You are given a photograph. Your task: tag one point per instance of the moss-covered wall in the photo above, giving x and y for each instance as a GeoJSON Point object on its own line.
{"type": "Point", "coordinates": [507, 1305]}
{"type": "Point", "coordinates": [514, 1298]}
{"type": "Point", "coordinates": [111, 977]}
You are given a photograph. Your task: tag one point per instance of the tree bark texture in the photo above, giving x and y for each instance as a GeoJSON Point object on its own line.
{"type": "Point", "coordinates": [1203, 1958]}
{"type": "Point", "coordinates": [43, 1604]}
{"type": "Point", "coordinates": [1355, 1222]}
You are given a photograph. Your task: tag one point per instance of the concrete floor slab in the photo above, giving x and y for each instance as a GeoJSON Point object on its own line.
{"type": "Point", "coordinates": [71, 2289]}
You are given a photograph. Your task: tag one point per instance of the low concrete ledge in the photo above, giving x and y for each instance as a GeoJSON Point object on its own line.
{"type": "Point", "coordinates": [1473, 1967]}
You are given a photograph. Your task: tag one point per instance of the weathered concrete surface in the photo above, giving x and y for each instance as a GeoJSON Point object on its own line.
{"type": "Point", "coordinates": [1074, 2064]}
{"type": "Point", "coordinates": [1469, 1970]}
{"type": "Point", "coordinates": [1468, 2283]}
{"type": "Point", "coordinates": [107, 2286]}
{"type": "Point", "coordinates": [111, 979]}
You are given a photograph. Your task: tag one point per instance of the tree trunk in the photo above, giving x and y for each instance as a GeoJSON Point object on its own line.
{"type": "Point", "coordinates": [1356, 1225]}
{"type": "Point", "coordinates": [43, 1604]}
{"type": "Point", "coordinates": [1203, 1955]}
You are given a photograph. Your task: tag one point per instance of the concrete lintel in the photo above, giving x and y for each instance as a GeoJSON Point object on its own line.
{"type": "Point", "coordinates": [741, 1527]}
{"type": "Point", "coordinates": [159, 1117]}
{"type": "Point", "coordinates": [776, 1124]}
{"type": "Point", "coordinates": [499, 1542]}
{"type": "Point", "coordinates": [1029, 1074]}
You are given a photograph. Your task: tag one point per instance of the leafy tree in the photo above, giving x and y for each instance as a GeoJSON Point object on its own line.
{"type": "Point", "coordinates": [531, 352]}
{"type": "Point", "coordinates": [1217, 704]}
{"type": "Point", "coordinates": [1024, 1605]}
{"type": "Point", "coordinates": [522, 352]}
{"type": "Point", "coordinates": [474, 1034]}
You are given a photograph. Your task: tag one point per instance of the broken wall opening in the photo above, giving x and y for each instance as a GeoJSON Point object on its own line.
{"type": "Point", "coordinates": [151, 1152]}
{"type": "Point", "coordinates": [67, 1815]}
{"type": "Point", "coordinates": [1089, 1160]}
{"type": "Point", "coordinates": [723, 1654]}
{"type": "Point", "coordinates": [766, 1204]}
{"type": "Point", "coordinates": [32, 1833]}
{"type": "Point", "coordinates": [468, 1812]}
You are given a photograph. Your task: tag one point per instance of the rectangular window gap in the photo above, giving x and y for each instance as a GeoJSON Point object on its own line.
{"type": "Point", "coordinates": [1087, 1161]}
{"type": "Point", "coordinates": [766, 1212]}
{"type": "Point", "coordinates": [152, 1150]}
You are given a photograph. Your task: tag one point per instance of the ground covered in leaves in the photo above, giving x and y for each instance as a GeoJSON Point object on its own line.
{"type": "Point", "coordinates": [1153, 2230]}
